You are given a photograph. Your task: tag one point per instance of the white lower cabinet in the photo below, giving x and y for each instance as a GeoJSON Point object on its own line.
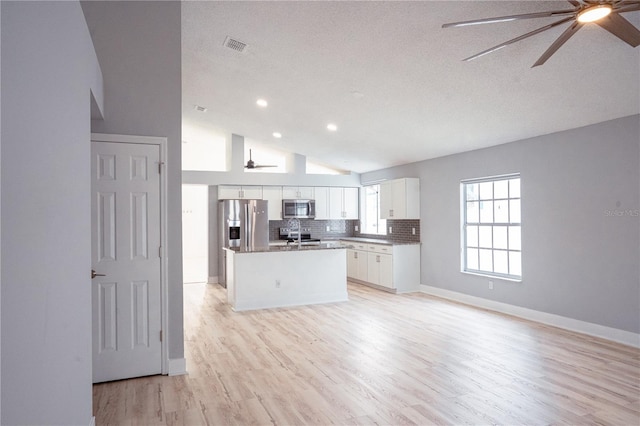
{"type": "Point", "coordinates": [380, 269]}
{"type": "Point", "coordinates": [361, 271]}
{"type": "Point", "coordinates": [352, 263]}
{"type": "Point", "coordinates": [393, 267]}
{"type": "Point", "coordinates": [357, 264]}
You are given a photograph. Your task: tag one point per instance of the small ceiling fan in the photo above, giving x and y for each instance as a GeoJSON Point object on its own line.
{"type": "Point", "coordinates": [605, 13]}
{"type": "Point", "coordinates": [252, 165]}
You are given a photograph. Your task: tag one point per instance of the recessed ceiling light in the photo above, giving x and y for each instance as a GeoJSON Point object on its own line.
{"type": "Point", "coordinates": [332, 127]}
{"type": "Point", "coordinates": [262, 103]}
{"type": "Point", "coordinates": [592, 14]}
{"type": "Point", "coordinates": [200, 108]}
{"type": "Point", "coordinates": [277, 135]}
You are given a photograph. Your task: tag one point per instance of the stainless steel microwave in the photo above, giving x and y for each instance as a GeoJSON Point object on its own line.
{"type": "Point", "coordinates": [301, 209]}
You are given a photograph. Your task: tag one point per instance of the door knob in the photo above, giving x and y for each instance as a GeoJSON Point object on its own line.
{"type": "Point", "coordinates": [94, 274]}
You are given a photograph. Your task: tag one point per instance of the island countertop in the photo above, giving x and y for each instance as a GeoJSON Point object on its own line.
{"type": "Point", "coordinates": [291, 247]}
{"type": "Point", "coordinates": [378, 241]}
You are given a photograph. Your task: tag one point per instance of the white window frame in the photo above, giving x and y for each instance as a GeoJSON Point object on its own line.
{"type": "Point", "coordinates": [471, 244]}
{"type": "Point", "coordinates": [381, 224]}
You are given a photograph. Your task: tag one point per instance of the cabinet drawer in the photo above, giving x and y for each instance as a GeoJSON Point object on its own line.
{"type": "Point", "coordinates": [380, 248]}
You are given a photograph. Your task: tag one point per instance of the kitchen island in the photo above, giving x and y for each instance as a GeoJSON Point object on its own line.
{"type": "Point", "coordinates": [272, 277]}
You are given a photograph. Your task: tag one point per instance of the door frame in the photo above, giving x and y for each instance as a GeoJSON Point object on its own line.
{"type": "Point", "coordinates": [161, 143]}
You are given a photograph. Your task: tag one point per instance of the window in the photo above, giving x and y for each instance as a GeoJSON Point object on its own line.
{"type": "Point", "coordinates": [370, 212]}
{"type": "Point", "coordinates": [491, 226]}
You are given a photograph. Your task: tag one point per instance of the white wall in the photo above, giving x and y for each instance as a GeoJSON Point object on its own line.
{"type": "Point", "coordinates": [195, 233]}
{"type": "Point", "coordinates": [236, 174]}
{"type": "Point", "coordinates": [578, 261]}
{"type": "Point", "coordinates": [48, 69]}
{"type": "Point", "coordinates": [0, 219]}
{"type": "Point", "coordinates": [139, 48]}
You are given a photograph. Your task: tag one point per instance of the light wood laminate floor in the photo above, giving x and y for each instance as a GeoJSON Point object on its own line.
{"type": "Point", "coordinates": [378, 359]}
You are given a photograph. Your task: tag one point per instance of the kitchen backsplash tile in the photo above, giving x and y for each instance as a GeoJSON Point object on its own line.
{"type": "Point", "coordinates": [402, 229]}
{"type": "Point", "coordinates": [317, 228]}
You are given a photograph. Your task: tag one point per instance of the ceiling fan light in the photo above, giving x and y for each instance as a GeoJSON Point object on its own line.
{"type": "Point", "coordinates": [594, 13]}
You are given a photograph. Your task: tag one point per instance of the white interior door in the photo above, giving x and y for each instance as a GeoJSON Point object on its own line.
{"type": "Point", "coordinates": [125, 210]}
{"type": "Point", "coordinates": [195, 233]}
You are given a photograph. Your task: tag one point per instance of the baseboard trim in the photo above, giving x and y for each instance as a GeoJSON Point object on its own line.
{"type": "Point", "coordinates": [92, 421]}
{"type": "Point", "coordinates": [177, 366]}
{"type": "Point", "coordinates": [609, 333]}
{"type": "Point", "coordinates": [212, 280]}
{"type": "Point", "coordinates": [372, 285]}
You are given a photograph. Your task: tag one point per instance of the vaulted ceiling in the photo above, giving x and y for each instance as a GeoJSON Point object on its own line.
{"type": "Point", "coordinates": [393, 80]}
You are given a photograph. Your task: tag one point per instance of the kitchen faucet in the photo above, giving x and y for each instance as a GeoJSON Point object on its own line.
{"type": "Point", "coordinates": [294, 224]}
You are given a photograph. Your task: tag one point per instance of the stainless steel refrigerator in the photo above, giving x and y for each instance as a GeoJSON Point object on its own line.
{"type": "Point", "coordinates": [243, 224]}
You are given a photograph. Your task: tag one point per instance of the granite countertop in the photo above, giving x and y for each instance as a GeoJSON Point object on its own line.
{"type": "Point", "coordinates": [378, 241]}
{"type": "Point", "coordinates": [285, 248]}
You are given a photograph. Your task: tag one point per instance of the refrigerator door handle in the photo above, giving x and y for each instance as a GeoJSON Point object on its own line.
{"type": "Point", "coordinates": [246, 225]}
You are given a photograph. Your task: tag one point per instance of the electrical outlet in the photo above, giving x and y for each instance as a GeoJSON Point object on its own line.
{"type": "Point", "coordinates": [356, 228]}
{"type": "Point", "coordinates": [391, 229]}
{"type": "Point", "coordinates": [490, 285]}
{"type": "Point", "coordinates": [413, 231]}
{"type": "Point", "coordinates": [328, 228]}
{"type": "Point", "coordinates": [277, 283]}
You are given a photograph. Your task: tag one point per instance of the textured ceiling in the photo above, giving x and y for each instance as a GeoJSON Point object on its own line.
{"type": "Point", "coordinates": [392, 79]}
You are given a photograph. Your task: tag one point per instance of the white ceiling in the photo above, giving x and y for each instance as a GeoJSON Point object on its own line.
{"type": "Point", "coordinates": [392, 79]}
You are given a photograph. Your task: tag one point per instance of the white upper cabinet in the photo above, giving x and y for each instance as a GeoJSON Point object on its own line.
{"type": "Point", "coordinates": [331, 203]}
{"type": "Point", "coordinates": [351, 203]}
{"type": "Point", "coordinates": [322, 203]}
{"type": "Point", "coordinates": [234, 192]}
{"type": "Point", "coordinates": [343, 203]}
{"type": "Point", "coordinates": [400, 199]}
{"type": "Point", "coordinates": [335, 203]}
{"type": "Point", "coordinates": [273, 194]}
{"type": "Point", "coordinates": [301, 192]}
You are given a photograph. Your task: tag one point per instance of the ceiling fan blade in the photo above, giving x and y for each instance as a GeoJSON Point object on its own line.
{"type": "Point", "coordinates": [522, 37]}
{"type": "Point", "coordinates": [566, 35]}
{"type": "Point", "coordinates": [621, 3]}
{"type": "Point", "coordinates": [627, 7]}
{"type": "Point", "coordinates": [511, 18]}
{"type": "Point", "coordinates": [262, 166]}
{"type": "Point", "coordinates": [621, 28]}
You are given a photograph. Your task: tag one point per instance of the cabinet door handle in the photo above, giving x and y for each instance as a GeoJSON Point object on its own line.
{"type": "Point", "coordinates": [378, 259]}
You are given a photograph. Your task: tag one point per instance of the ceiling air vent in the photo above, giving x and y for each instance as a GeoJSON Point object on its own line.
{"type": "Point", "coordinates": [234, 44]}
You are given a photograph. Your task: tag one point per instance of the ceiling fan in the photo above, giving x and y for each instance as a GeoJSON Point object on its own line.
{"type": "Point", "coordinates": [252, 165]}
{"type": "Point", "coordinates": [605, 13]}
